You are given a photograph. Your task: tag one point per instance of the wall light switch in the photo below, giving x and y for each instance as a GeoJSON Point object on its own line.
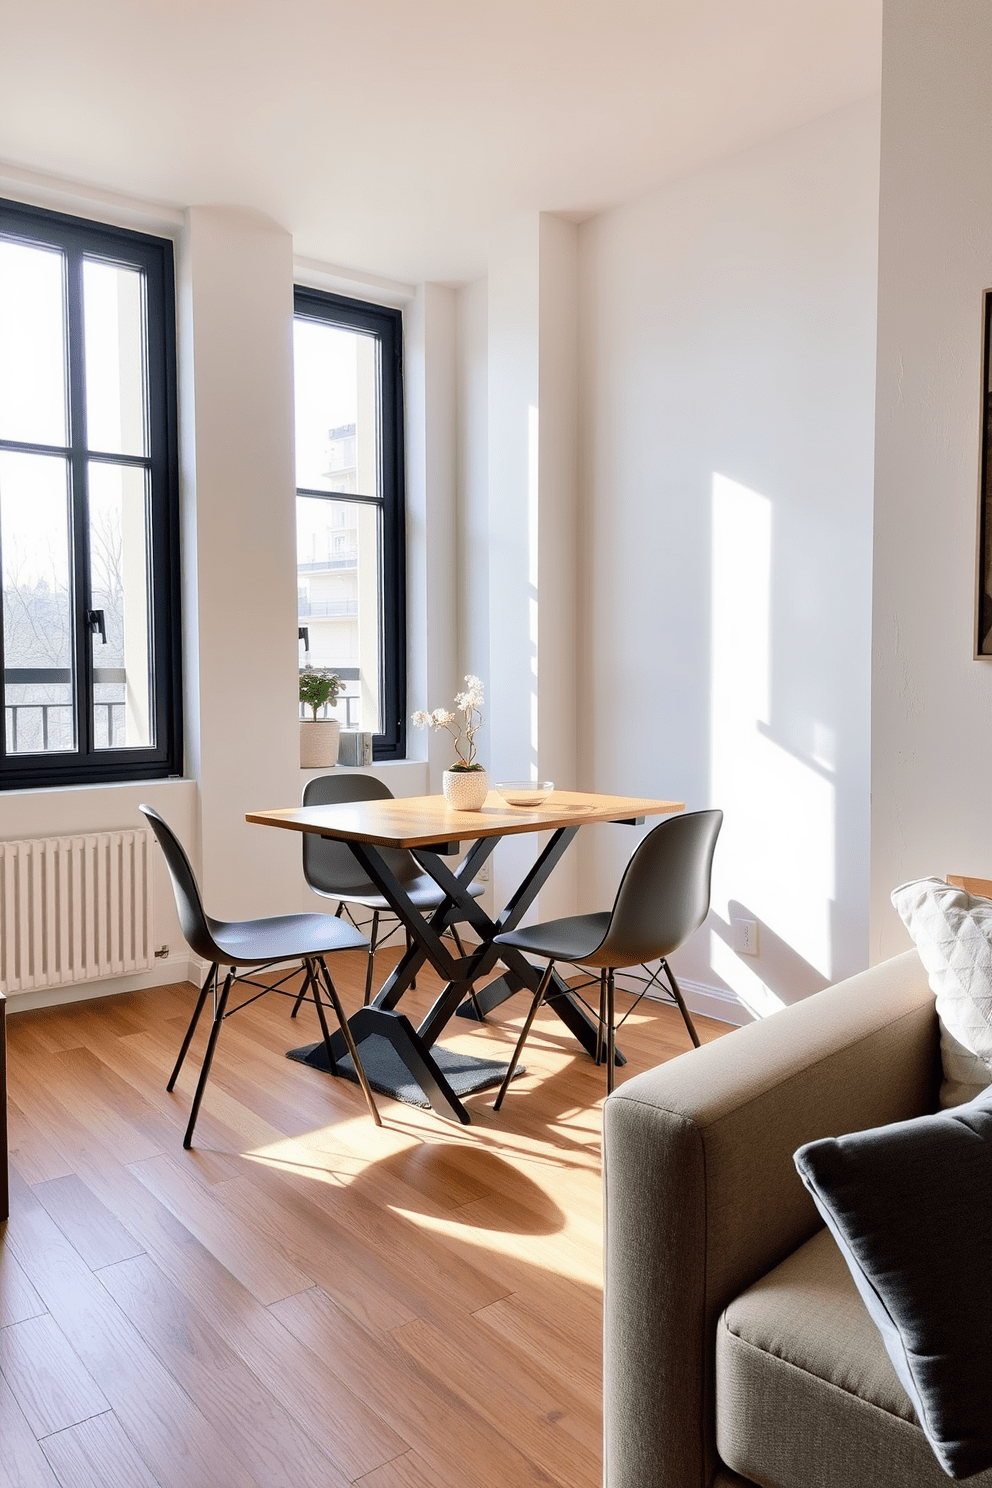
{"type": "Point", "coordinates": [744, 937]}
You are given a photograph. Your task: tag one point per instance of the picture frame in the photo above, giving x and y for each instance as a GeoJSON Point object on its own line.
{"type": "Point", "coordinates": [983, 585]}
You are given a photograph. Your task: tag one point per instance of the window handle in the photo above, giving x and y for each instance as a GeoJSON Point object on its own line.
{"type": "Point", "coordinates": [97, 624]}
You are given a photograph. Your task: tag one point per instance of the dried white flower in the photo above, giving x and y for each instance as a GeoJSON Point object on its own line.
{"type": "Point", "coordinates": [470, 703]}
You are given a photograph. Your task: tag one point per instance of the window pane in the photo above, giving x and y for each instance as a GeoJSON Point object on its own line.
{"type": "Point", "coordinates": [37, 608]}
{"type": "Point", "coordinates": [119, 588]}
{"type": "Point", "coordinates": [114, 321]}
{"type": "Point", "coordinates": [337, 408]}
{"type": "Point", "coordinates": [32, 344]}
{"type": "Point", "coordinates": [338, 549]}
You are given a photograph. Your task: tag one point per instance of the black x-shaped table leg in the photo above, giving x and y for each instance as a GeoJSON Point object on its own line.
{"type": "Point", "coordinates": [414, 1045]}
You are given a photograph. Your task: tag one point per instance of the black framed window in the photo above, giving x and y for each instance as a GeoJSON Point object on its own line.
{"type": "Point", "coordinates": [351, 563]}
{"type": "Point", "coordinates": [89, 521]}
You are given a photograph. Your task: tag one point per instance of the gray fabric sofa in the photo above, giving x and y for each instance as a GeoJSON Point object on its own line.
{"type": "Point", "coordinates": [737, 1349]}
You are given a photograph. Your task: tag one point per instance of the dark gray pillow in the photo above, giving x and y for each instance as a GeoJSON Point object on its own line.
{"type": "Point", "coordinates": [910, 1206]}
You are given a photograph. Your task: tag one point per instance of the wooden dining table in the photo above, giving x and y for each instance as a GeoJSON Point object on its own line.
{"type": "Point", "coordinates": [408, 1061]}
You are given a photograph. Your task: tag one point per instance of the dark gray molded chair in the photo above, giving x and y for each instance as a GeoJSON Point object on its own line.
{"type": "Point", "coordinates": [331, 870]}
{"type": "Point", "coordinates": [663, 897]}
{"type": "Point", "coordinates": [253, 944]}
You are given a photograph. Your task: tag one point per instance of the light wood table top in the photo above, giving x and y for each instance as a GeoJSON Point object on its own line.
{"type": "Point", "coordinates": [980, 887]}
{"type": "Point", "coordinates": [424, 821]}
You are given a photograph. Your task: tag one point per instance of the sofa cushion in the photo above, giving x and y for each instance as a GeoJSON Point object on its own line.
{"type": "Point", "coordinates": [964, 1074]}
{"type": "Point", "coordinates": [806, 1395]}
{"type": "Point", "coordinates": [952, 931]}
{"type": "Point", "coordinates": [910, 1205]}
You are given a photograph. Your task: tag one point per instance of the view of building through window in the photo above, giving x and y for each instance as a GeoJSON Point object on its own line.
{"type": "Point", "coordinates": [339, 542]}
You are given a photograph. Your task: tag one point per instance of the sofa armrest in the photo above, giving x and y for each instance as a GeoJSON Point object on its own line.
{"type": "Point", "coordinates": [702, 1197]}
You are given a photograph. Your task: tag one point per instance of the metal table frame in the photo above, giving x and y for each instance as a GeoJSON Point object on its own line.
{"type": "Point", "coordinates": [414, 1044]}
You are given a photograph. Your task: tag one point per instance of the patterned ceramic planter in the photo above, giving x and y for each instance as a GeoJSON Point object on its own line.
{"type": "Point", "coordinates": [319, 743]}
{"type": "Point", "coordinates": [466, 790]}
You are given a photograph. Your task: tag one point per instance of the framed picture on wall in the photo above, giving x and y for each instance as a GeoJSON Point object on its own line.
{"type": "Point", "coordinates": [983, 628]}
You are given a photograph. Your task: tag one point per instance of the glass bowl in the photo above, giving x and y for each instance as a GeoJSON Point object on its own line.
{"type": "Point", "coordinates": [529, 793]}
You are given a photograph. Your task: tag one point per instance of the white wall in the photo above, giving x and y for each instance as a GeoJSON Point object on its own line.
{"type": "Point", "coordinates": [532, 388]}
{"type": "Point", "coordinates": [726, 416]}
{"type": "Point", "coordinates": [931, 703]}
{"type": "Point", "coordinates": [432, 524]}
{"type": "Point", "coordinates": [472, 465]}
{"type": "Point", "coordinates": [238, 463]}
{"type": "Point", "coordinates": [727, 340]}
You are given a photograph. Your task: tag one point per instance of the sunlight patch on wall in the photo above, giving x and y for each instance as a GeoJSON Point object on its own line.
{"type": "Point", "coordinates": [776, 855]}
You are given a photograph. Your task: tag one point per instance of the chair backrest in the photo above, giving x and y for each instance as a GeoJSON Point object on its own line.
{"type": "Point", "coordinates": [664, 894]}
{"type": "Point", "coordinates": [193, 918]}
{"type": "Point", "coordinates": [328, 866]}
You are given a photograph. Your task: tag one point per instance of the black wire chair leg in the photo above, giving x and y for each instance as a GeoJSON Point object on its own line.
{"type": "Point", "coordinates": [305, 988]}
{"type": "Point", "coordinates": [677, 994]}
{"type": "Point", "coordinates": [370, 966]}
{"type": "Point", "coordinates": [318, 1003]}
{"type": "Point", "coordinates": [308, 980]}
{"type": "Point", "coordinates": [610, 1032]}
{"type": "Point", "coordinates": [301, 998]}
{"type": "Point", "coordinates": [349, 1040]}
{"type": "Point", "coordinates": [538, 999]}
{"type": "Point", "coordinates": [601, 1030]}
{"type": "Point", "coordinates": [208, 1056]}
{"type": "Point", "coordinates": [211, 977]}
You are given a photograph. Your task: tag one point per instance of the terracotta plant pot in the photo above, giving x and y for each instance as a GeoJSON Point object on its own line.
{"type": "Point", "coordinates": [466, 790]}
{"type": "Point", "coordinates": [319, 743]}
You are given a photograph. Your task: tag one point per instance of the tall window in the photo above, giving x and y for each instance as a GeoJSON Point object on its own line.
{"type": "Point", "coordinates": [349, 507]}
{"type": "Point", "coordinates": [88, 510]}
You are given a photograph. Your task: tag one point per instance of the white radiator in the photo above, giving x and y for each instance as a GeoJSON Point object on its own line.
{"type": "Point", "coordinates": [73, 909]}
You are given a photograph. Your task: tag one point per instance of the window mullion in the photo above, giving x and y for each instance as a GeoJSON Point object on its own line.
{"type": "Point", "coordinates": [78, 485]}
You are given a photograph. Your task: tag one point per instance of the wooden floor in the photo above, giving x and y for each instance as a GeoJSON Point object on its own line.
{"type": "Point", "coordinates": [302, 1301]}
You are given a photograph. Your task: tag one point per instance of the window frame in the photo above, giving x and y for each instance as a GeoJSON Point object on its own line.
{"type": "Point", "coordinates": [78, 238]}
{"type": "Point", "coordinates": [386, 323]}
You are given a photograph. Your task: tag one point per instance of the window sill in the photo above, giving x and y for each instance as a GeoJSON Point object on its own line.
{"type": "Point", "coordinates": [90, 788]}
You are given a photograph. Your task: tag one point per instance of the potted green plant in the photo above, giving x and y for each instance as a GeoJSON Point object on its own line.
{"type": "Point", "coordinates": [466, 782]}
{"type": "Point", "coordinates": [319, 737]}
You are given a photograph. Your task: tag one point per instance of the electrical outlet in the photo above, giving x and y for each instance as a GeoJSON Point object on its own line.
{"type": "Point", "coordinates": [744, 937]}
{"type": "Point", "coordinates": [483, 874]}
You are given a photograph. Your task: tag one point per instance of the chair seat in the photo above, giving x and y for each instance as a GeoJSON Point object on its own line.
{"type": "Point", "coordinates": [283, 938]}
{"type": "Point", "coordinates": [664, 895]}
{"type": "Point", "coordinates": [423, 891]}
{"type": "Point", "coordinates": [573, 939]}
{"type": "Point", "coordinates": [253, 943]}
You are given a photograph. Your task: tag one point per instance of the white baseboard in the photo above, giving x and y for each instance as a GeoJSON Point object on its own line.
{"type": "Point", "coordinates": [709, 1002]}
{"type": "Point", "coordinates": [170, 971]}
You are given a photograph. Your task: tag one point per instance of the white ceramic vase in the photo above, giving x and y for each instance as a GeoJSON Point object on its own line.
{"type": "Point", "coordinates": [466, 790]}
{"type": "Point", "coordinates": [319, 743]}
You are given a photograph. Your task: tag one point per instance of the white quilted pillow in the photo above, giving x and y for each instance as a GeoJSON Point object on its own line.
{"type": "Point", "coordinates": [952, 931]}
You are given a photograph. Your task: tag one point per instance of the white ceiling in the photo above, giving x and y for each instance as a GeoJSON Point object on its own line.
{"type": "Point", "coordinates": [393, 136]}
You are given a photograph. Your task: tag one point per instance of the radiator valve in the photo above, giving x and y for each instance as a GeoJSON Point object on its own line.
{"type": "Point", "coordinates": [161, 953]}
